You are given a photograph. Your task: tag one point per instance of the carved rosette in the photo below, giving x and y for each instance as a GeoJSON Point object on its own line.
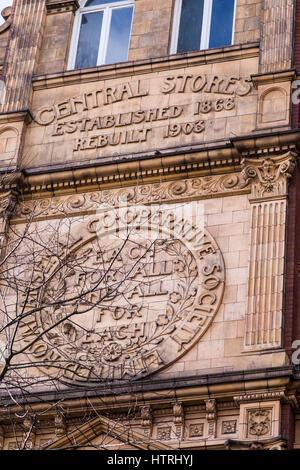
{"type": "Point", "coordinates": [269, 176]}
{"type": "Point", "coordinates": [138, 306]}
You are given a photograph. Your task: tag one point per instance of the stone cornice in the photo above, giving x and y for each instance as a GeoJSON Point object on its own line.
{"type": "Point", "coordinates": [267, 78]}
{"type": "Point", "coordinates": [16, 116]}
{"type": "Point", "coordinates": [267, 396]}
{"type": "Point", "coordinates": [125, 69]}
{"type": "Point", "coordinates": [156, 166]}
{"type": "Point", "coordinates": [165, 165]}
{"type": "Point", "coordinates": [189, 390]}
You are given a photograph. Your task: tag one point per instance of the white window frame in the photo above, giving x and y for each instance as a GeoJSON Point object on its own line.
{"type": "Point", "coordinates": [107, 9]}
{"type": "Point", "coordinates": [206, 24]}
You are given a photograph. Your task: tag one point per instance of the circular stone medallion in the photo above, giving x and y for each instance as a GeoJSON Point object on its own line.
{"type": "Point", "coordinates": [126, 309]}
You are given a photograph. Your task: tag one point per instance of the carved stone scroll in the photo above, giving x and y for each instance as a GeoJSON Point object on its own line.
{"type": "Point", "coordinates": [146, 416]}
{"type": "Point", "coordinates": [6, 13]}
{"type": "Point", "coordinates": [202, 187]}
{"type": "Point", "coordinates": [269, 185]}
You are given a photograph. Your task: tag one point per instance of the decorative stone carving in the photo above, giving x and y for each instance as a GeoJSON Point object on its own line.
{"type": "Point", "coordinates": [259, 422]}
{"type": "Point", "coordinates": [164, 433]}
{"type": "Point", "coordinates": [266, 444]}
{"type": "Point", "coordinates": [178, 412]}
{"type": "Point", "coordinates": [269, 176]}
{"type": "Point", "coordinates": [154, 303]}
{"type": "Point", "coordinates": [7, 205]}
{"type": "Point", "coordinates": [144, 194]}
{"type": "Point", "coordinates": [279, 446]}
{"type": "Point", "coordinates": [256, 446]}
{"type": "Point", "coordinates": [6, 13]}
{"type": "Point", "coordinates": [61, 6]}
{"type": "Point", "coordinates": [60, 424]}
{"type": "Point", "coordinates": [28, 433]}
{"type": "Point", "coordinates": [264, 396]}
{"type": "Point", "coordinates": [146, 419]}
{"type": "Point", "coordinates": [211, 416]}
{"type": "Point", "coordinates": [196, 430]}
{"type": "Point", "coordinates": [228, 427]}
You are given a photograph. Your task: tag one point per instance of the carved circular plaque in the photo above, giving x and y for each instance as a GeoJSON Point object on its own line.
{"type": "Point", "coordinates": [125, 309]}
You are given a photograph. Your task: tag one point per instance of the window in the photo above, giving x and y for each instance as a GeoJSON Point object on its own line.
{"type": "Point", "coordinates": [101, 33]}
{"type": "Point", "coordinates": [202, 24]}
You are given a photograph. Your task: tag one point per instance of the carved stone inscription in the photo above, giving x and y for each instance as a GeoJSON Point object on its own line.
{"type": "Point", "coordinates": [142, 111]}
{"type": "Point", "coordinates": [139, 306]}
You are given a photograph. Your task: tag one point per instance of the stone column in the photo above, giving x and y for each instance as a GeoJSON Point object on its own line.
{"type": "Point", "coordinates": [268, 200]}
{"type": "Point", "coordinates": [277, 23]}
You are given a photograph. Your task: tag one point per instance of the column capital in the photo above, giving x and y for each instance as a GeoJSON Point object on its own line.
{"type": "Point", "coordinates": [269, 176]}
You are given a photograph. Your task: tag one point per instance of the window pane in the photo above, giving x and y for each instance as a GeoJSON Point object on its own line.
{"type": "Point", "coordinates": [221, 23]}
{"type": "Point", "coordinates": [119, 34]}
{"type": "Point", "coordinates": [90, 3]}
{"type": "Point", "coordinates": [89, 37]}
{"type": "Point", "coordinates": [190, 25]}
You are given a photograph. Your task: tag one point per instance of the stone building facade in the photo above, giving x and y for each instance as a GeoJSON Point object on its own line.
{"type": "Point", "coordinates": [201, 353]}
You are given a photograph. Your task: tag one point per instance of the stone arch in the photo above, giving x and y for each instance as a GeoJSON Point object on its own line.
{"type": "Point", "coordinates": [273, 106]}
{"type": "Point", "coordinates": [9, 137]}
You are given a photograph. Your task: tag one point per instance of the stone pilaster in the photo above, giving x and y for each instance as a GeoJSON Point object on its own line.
{"type": "Point", "coordinates": [269, 185]}
{"type": "Point", "coordinates": [276, 35]}
{"type": "Point", "coordinates": [25, 37]}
